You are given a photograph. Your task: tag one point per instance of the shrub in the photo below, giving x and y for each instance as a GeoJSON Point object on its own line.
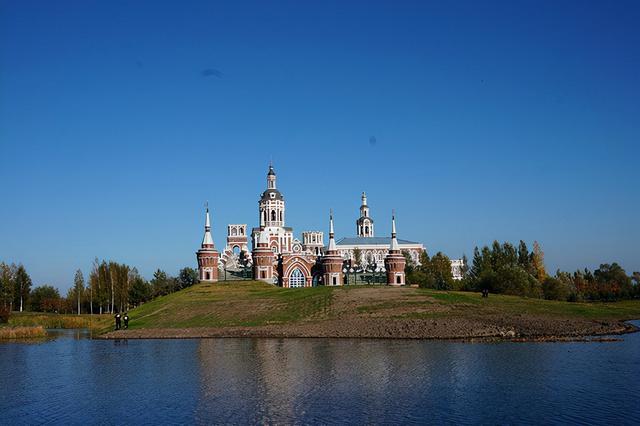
{"type": "Point", "coordinates": [554, 289]}
{"type": "Point", "coordinates": [5, 313]}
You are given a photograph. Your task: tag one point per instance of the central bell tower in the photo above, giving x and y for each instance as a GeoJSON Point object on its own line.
{"type": "Point", "coordinates": [364, 224]}
{"type": "Point", "coordinates": [271, 204]}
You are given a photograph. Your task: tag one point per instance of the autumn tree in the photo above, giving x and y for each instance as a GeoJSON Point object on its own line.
{"type": "Point", "coordinates": [22, 288]}
{"type": "Point", "coordinates": [45, 298]}
{"type": "Point", "coordinates": [537, 263]}
{"type": "Point", "coordinates": [78, 286]}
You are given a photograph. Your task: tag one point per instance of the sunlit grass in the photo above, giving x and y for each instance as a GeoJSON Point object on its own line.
{"type": "Point", "coordinates": [22, 332]}
{"type": "Point", "coordinates": [239, 303]}
{"type": "Point", "coordinates": [50, 320]}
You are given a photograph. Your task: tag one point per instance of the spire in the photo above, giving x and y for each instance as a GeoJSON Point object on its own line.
{"type": "Point", "coordinates": [364, 198]}
{"type": "Point", "coordinates": [332, 242]}
{"type": "Point", "coordinates": [207, 241]}
{"type": "Point", "coordinates": [271, 177]}
{"type": "Point", "coordinates": [394, 240]}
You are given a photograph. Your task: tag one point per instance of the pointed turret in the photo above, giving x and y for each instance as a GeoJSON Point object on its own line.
{"type": "Point", "coordinates": [332, 261]}
{"type": "Point", "coordinates": [207, 240]}
{"type": "Point", "coordinates": [394, 262]}
{"type": "Point", "coordinates": [207, 255]}
{"type": "Point", "coordinates": [332, 241]}
{"type": "Point", "coordinates": [394, 240]}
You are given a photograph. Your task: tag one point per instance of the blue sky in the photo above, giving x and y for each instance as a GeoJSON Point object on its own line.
{"type": "Point", "coordinates": [474, 120]}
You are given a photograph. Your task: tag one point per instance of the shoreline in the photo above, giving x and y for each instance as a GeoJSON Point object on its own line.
{"type": "Point", "coordinates": [397, 330]}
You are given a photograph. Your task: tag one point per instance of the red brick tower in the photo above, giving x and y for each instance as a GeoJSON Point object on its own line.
{"type": "Point", "coordinates": [332, 261]}
{"type": "Point", "coordinates": [263, 259]}
{"type": "Point", "coordinates": [394, 262]}
{"type": "Point", "coordinates": [207, 255]}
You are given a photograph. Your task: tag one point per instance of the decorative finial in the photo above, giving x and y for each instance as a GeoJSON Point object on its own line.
{"type": "Point", "coordinates": [206, 205]}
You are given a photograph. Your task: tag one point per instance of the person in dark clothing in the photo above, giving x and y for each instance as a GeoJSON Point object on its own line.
{"type": "Point", "coordinates": [126, 320]}
{"type": "Point", "coordinates": [118, 321]}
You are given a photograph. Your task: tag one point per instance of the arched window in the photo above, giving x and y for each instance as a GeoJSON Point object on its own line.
{"type": "Point", "coordinates": [234, 231]}
{"type": "Point", "coordinates": [366, 230]}
{"type": "Point", "coordinates": [280, 215]}
{"type": "Point", "coordinates": [241, 231]}
{"type": "Point", "coordinates": [273, 215]}
{"type": "Point", "coordinates": [296, 279]}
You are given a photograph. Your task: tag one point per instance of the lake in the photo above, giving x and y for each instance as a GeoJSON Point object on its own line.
{"type": "Point", "coordinates": [74, 380]}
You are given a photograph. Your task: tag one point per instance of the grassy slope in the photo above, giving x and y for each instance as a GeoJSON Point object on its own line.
{"type": "Point", "coordinates": [245, 303]}
{"type": "Point", "coordinates": [250, 303]}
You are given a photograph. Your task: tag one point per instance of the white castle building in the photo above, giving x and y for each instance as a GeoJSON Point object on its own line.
{"type": "Point", "coordinates": [373, 249]}
{"type": "Point", "coordinates": [278, 257]}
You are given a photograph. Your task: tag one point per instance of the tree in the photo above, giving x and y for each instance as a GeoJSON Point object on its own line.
{"type": "Point", "coordinates": [140, 291]}
{"type": "Point", "coordinates": [537, 263]}
{"type": "Point", "coordinates": [160, 283]}
{"type": "Point", "coordinates": [357, 257]}
{"type": "Point", "coordinates": [440, 268]}
{"type": "Point", "coordinates": [45, 298]}
{"type": "Point", "coordinates": [7, 285]}
{"type": "Point", "coordinates": [555, 289]}
{"type": "Point", "coordinates": [78, 286]}
{"type": "Point", "coordinates": [188, 277]}
{"type": "Point", "coordinates": [523, 256]}
{"type": "Point", "coordinates": [22, 288]}
{"type": "Point", "coordinates": [613, 282]}
{"type": "Point", "coordinates": [409, 264]}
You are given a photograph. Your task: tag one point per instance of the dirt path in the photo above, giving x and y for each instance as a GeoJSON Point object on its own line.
{"type": "Point", "coordinates": [522, 328]}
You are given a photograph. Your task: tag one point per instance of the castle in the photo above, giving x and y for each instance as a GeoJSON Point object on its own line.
{"type": "Point", "coordinates": [277, 257]}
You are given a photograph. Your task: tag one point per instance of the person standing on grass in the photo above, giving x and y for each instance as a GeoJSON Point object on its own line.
{"type": "Point", "coordinates": [117, 320]}
{"type": "Point", "coordinates": [126, 320]}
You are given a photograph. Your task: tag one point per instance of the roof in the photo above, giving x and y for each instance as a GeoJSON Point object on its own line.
{"type": "Point", "coordinates": [362, 241]}
{"type": "Point", "coordinates": [266, 195]}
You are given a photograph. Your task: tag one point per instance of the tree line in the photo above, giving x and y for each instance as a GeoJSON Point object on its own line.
{"type": "Point", "coordinates": [111, 287]}
{"type": "Point", "coordinates": [507, 269]}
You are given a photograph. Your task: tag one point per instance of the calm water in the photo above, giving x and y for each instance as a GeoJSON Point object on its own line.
{"type": "Point", "coordinates": [76, 380]}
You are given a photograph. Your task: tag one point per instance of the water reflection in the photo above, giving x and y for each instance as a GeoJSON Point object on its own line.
{"type": "Point", "coordinates": [77, 380]}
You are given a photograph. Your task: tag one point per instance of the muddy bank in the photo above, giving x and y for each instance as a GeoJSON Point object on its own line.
{"type": "Point", "coordinates": [488, 328]}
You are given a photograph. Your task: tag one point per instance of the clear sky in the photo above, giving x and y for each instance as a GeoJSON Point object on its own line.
{"type": "Point", "coordinates": [474, 120]}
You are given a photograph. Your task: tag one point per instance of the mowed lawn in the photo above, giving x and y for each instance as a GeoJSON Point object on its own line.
{"type": "Point", "coordinates": [253, 303]}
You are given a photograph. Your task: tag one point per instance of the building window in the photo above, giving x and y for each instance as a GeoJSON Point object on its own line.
{"type": "Point", "coordinates": [398, 279]}
{"type": "Point", "coordinates": [335, 281]}
{"type": "Point", "coordinates": [273, 215]}
{"type": "Point", "coordinates": [296, 279]}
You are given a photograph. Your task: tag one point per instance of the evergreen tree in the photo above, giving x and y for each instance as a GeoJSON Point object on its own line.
{"type": "Point", "coordinates": [523, 256]}
{"type": "Point", "coordinates": [188, 277]}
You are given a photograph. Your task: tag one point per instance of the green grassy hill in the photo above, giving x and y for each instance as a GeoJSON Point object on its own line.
{"type": "Point", "coordinates": [252, 303]}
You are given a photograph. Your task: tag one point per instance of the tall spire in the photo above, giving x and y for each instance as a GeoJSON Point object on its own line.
{"type": "Point", "coordinates": [332, 242]}
{"type": "Point", "coordinates": [271, 177]}
{"type": "Point", "coordinates": [394, 240]}
{"type": "Point", "coordinates": [207, 241]}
